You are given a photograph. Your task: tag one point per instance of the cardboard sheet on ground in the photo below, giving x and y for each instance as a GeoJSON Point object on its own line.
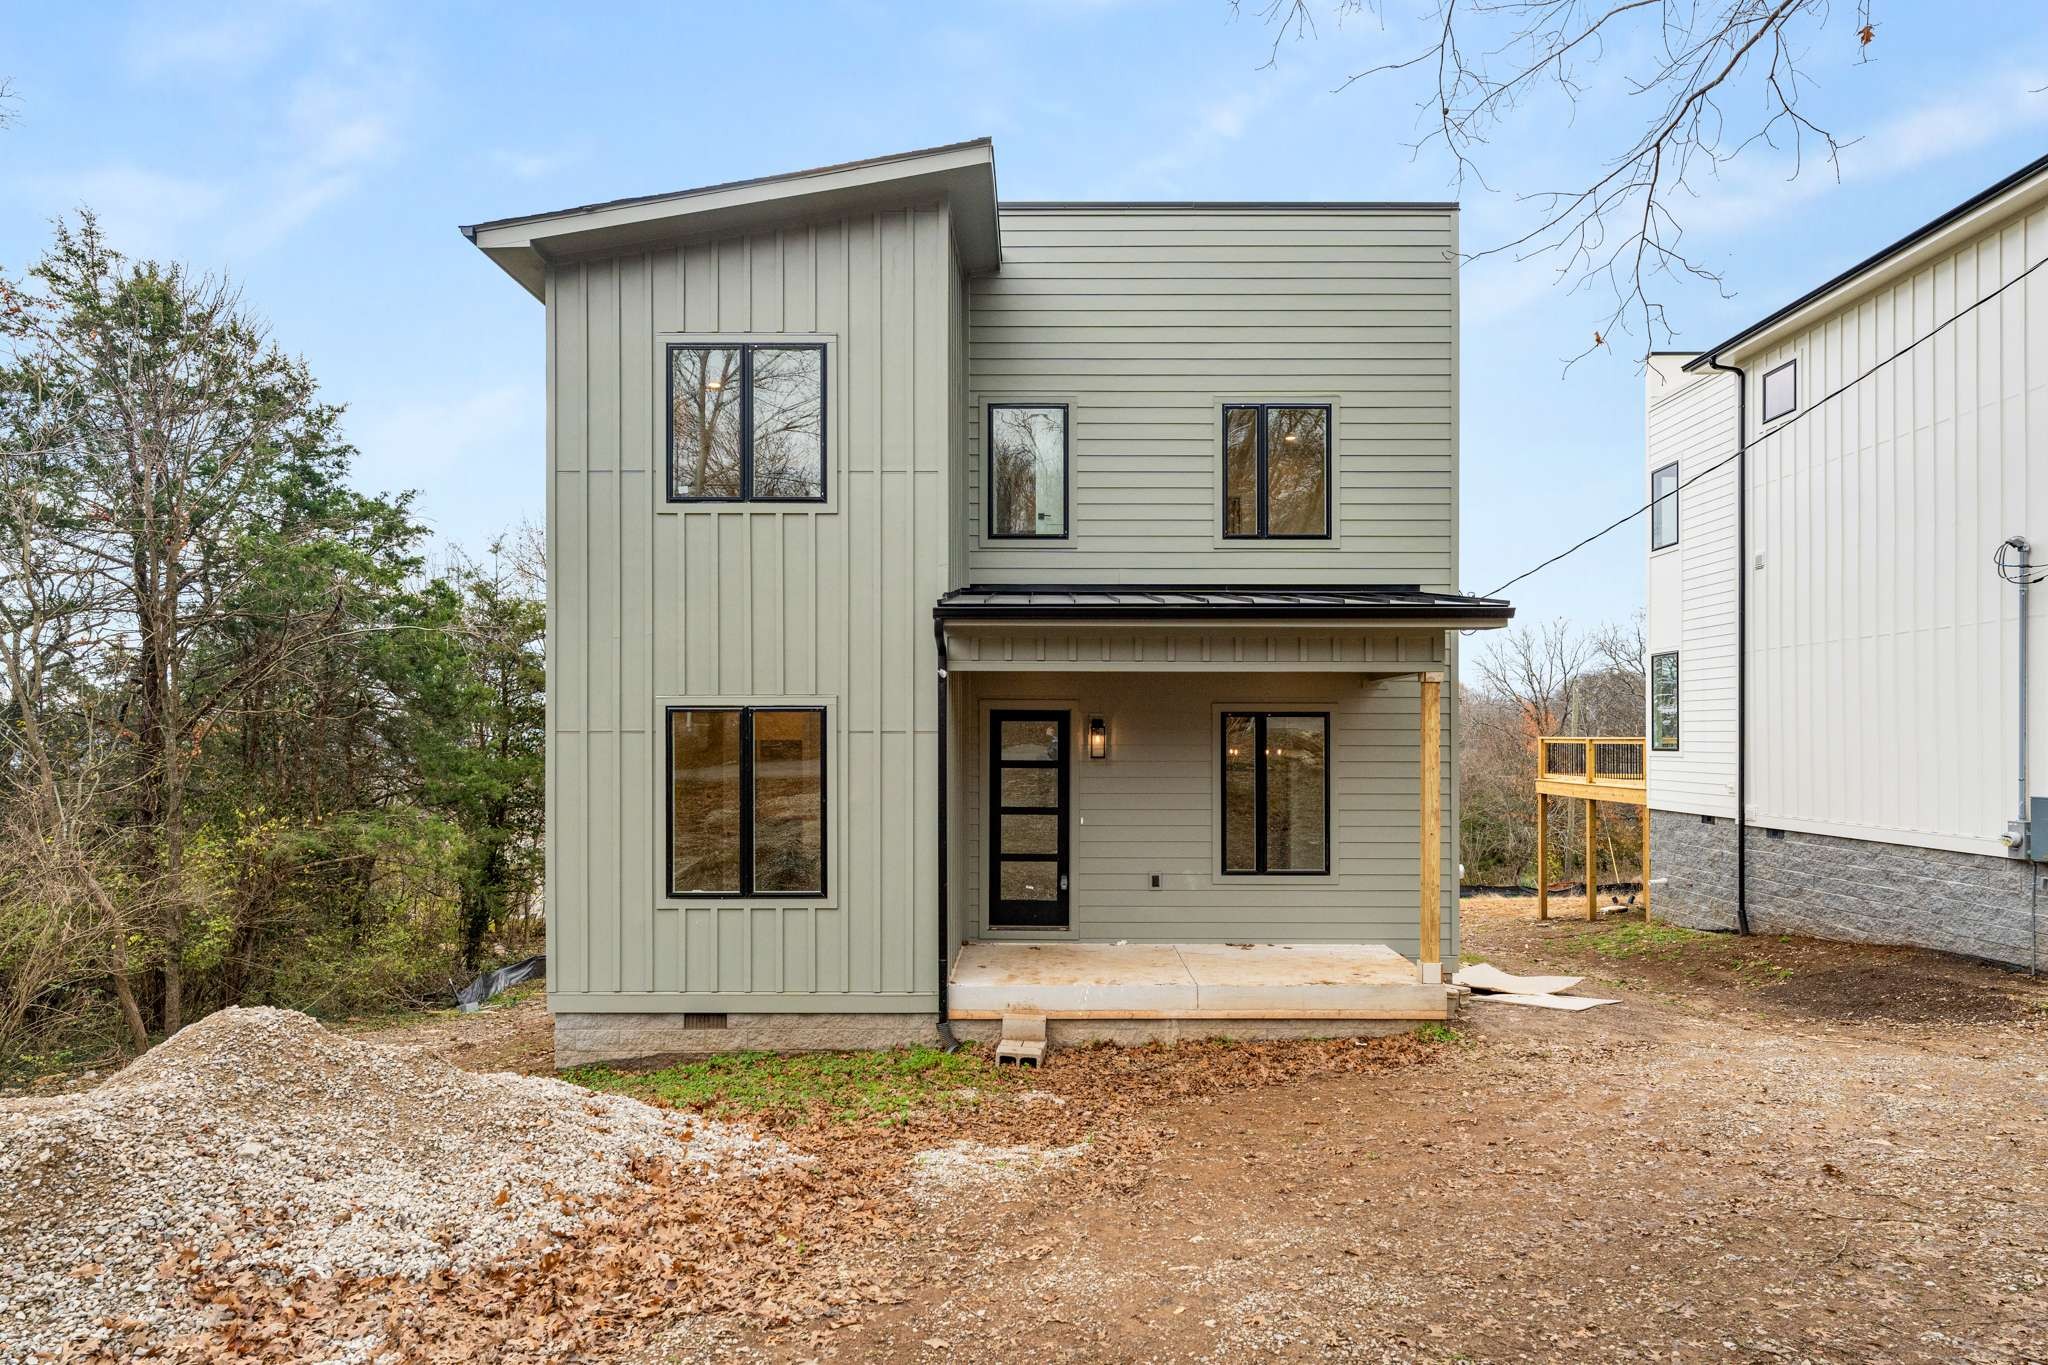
{"type": "Point", "coordinates": [1482, 976]}
{"type": "Point", "coordinates": [1548, 1002]}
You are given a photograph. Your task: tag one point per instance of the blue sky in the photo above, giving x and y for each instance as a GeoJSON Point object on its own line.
{"type": "Point", "coordinates": [323, 154]}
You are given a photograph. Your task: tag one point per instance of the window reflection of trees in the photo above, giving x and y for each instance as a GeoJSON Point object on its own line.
{"type": "Point", "coordinates": [1028, 456]}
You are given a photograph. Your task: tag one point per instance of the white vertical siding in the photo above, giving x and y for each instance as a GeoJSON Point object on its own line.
{"type": "Point", "coordinates": [1882, 646]}
{"type": "Point", "coordinates": [1691, 420]}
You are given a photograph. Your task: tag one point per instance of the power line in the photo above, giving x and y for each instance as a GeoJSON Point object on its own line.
{"type": "Point", "coordinates": [1797, 418]}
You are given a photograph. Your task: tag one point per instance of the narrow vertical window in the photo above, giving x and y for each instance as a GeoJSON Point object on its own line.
{"type": "Point", "coordinates": [1664, 701]}
{"type": "Point", "coordinates": [1664, 508]}
{"type": "Point", "coordinates": [1027, 471]}
{"type": "Point", "coordinates": [746, 801]}
{"type": "Point", "coordinates": [746, 423]}
{"type": "Point", "coordinates": [1276, 471]}
{"type": "Point", "coordinates": [1781, 391]}
{"type": "Point", "coordinates": [1276, 792]}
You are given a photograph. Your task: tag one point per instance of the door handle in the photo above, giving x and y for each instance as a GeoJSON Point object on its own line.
{"type": "Point", "coordinates": [1063, 881]}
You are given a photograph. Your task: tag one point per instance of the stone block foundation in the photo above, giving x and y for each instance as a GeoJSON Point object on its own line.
{"type": "Point", "coordinates": [585, 1038]}
{"type": "Point", "coordinates": [1858, 890]}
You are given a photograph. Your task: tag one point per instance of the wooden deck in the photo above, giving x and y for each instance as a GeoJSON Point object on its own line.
{"type": "Point", "coordinates": [1190, 981]}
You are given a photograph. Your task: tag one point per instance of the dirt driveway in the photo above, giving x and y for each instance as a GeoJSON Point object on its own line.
{"type": "Point", "coordinates": [1772, 1149]}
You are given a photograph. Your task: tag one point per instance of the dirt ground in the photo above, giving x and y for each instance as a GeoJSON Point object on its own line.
{"type": "Point", "coordinates": [1771, 1149]}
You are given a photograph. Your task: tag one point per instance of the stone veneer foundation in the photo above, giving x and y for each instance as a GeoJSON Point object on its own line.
{"type": "Point", "coordinates": [1860, 890]}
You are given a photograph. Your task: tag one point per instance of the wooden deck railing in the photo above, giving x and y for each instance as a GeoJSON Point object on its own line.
{"type": "Point", "coordinates": [1606, 760]}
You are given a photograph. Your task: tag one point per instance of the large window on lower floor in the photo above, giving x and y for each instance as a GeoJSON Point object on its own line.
{"type": "Point", "coordinates": [1276, 792]}
{"type": "Point", "coordinates": [746, 801]}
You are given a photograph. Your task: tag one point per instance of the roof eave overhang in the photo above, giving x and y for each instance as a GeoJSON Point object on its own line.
{"type": "Point", "coordinates": [1419, 617]}
{"type": "Point", "coordinates": [2018, 192]}
{"type": "Point", "coordinates": [961, 175]}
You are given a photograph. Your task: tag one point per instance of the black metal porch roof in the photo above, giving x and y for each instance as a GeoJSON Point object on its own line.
{"type": "Point", "coordinates": [1164, 602]}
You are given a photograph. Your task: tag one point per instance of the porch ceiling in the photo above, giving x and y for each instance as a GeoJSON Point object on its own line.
{"type": "Point", "coordinates": [1190, 981]}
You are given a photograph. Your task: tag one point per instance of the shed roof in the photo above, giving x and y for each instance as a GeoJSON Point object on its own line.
{"type": "Point", "coordinates": [962, 173]}
{"type": "Point", "coordinates": [1193, 602]}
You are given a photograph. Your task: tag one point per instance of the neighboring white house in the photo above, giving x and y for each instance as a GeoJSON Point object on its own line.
{"type": "Point", "coordinates": [1871, 734]}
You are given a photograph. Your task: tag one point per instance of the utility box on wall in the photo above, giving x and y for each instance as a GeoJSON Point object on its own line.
{"type": "Point", "coordinates": [2037, 828]}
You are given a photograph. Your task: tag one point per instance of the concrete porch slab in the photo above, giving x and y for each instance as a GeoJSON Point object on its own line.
{"type": "Point", "coordinates": [1271, 981]}
{"type": "Point", "coordinates": [1050, 978]}
{"type": "Point", "coordinates": [1308, 977]}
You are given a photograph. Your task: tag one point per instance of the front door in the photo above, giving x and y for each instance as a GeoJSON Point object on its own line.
{"type": "Point", "coordinates": [1027, 870]}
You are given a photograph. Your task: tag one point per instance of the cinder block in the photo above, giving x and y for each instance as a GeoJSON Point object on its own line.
{"type": "Point", "coordinates": [1024, 1028]}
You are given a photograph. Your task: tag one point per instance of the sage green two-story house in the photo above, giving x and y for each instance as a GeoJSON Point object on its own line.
{"type": "Point", "coordinates": [963, 610]}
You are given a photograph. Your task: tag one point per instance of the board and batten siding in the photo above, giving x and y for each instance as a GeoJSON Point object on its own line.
{"type": "Point", "coordinates": [1151, 807]}
{"type": "Point", "coordinates": [1146, 320]}
{"type": "Point", "coordinates": [1691, 586]}
{"type": "Point", "coordinates": [1882, 646]}
{"type": "Point", "coordinates": [653, 604]}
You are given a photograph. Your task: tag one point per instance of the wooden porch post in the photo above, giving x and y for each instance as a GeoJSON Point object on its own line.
{"type": "Point", "coordinates": [1542, 856]}
{"type": "Point", "coordinates": [1592, 864]}
{"type": "Point", "coordinates": [1429, 954]}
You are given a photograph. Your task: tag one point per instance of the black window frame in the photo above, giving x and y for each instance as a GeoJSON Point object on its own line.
{"type": "Point", "coordinates": [1764, 393]}
{"type": "Point", "coordinates": [1656, 498]}
{"type": "Point", "coordinates": [746, 889]}
{"type": "Point", "coordinates": [1657, 744]}
{"type": "Point", "coordinates": [988, 474]}
{"type": "Point", "coordinates": [746, 350]}
{"type": "Point", "coordinates": [1262, 520]}
{"type": "Point", "coordinates": [1259, 719]}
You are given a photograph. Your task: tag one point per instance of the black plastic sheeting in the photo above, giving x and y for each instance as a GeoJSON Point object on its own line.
{"type": "Point", "coordinates": [472, 996]}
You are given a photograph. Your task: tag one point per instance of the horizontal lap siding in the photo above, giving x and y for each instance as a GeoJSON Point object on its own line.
{"type": "Point", "coordinates": [1150, 807]}
{"type": "Point", "coordinates": [1882, 644]}
{"type": "Point", "coordinates": [1691, 421]}
{"type": "Point", "coordinates": [650, 603]}
{"type": "Point", "coordinates": [1145, 320]}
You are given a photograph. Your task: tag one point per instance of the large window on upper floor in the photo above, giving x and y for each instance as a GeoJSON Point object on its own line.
{"type": "Point", "coordinates": [746, 423]}
{"type": "Point", "coordinates": [1276, 471]}
{"type": "Point", "coordinates": [1027, 471]}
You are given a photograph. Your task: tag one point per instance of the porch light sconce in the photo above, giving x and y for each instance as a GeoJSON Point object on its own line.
{"type": "Point", "coordinates": [1098, 737]}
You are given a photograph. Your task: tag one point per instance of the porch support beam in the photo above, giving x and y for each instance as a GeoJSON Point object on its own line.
{"type": "Point", "coordinates": [1429, 952]}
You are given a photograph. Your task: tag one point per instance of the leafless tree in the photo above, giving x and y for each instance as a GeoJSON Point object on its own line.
{"type": "Point", "coordinates": [1714, 79]}
{"type": "Point", "coordinates": [60, 843]}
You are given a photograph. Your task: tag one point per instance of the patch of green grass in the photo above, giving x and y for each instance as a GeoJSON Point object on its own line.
{"type": "Point", "coordinates": [1636, 937]}
{"type": "Point", "coordinates": [847, 1086]}
{"type": "Point", "coordinates": [1433, 1032]}
{"type": "Point", "coordinates": [1762, 972]}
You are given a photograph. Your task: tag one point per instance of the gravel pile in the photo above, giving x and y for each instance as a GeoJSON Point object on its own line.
{"type": "Point", "coordinates": [261, 1141]}
{"type": "Point", "coordinates": [940, 1171]}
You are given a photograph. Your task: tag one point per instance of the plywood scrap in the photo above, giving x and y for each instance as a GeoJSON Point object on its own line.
{"type": "Point", "coordinates": [1548, 1002]}
{"type": "Point", "coordinates": [1483, 976]}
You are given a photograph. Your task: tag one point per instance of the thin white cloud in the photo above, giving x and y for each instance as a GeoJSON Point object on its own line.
{"type": "Point", "coordinates": [330, 90]}
{"type": "Point", "coordinates": [141, 211]}
{"type": "Point", "coordinates": [403, 444]}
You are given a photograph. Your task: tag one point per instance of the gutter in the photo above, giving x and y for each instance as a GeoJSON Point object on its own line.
{"type": "Point", "coordinates": [945, 1025]}
{"type": "Point", "coordinates": [1713, 361]}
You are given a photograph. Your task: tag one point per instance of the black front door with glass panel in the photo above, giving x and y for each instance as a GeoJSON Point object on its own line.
{"type": "Point", "coordinates": [1027, 862]}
